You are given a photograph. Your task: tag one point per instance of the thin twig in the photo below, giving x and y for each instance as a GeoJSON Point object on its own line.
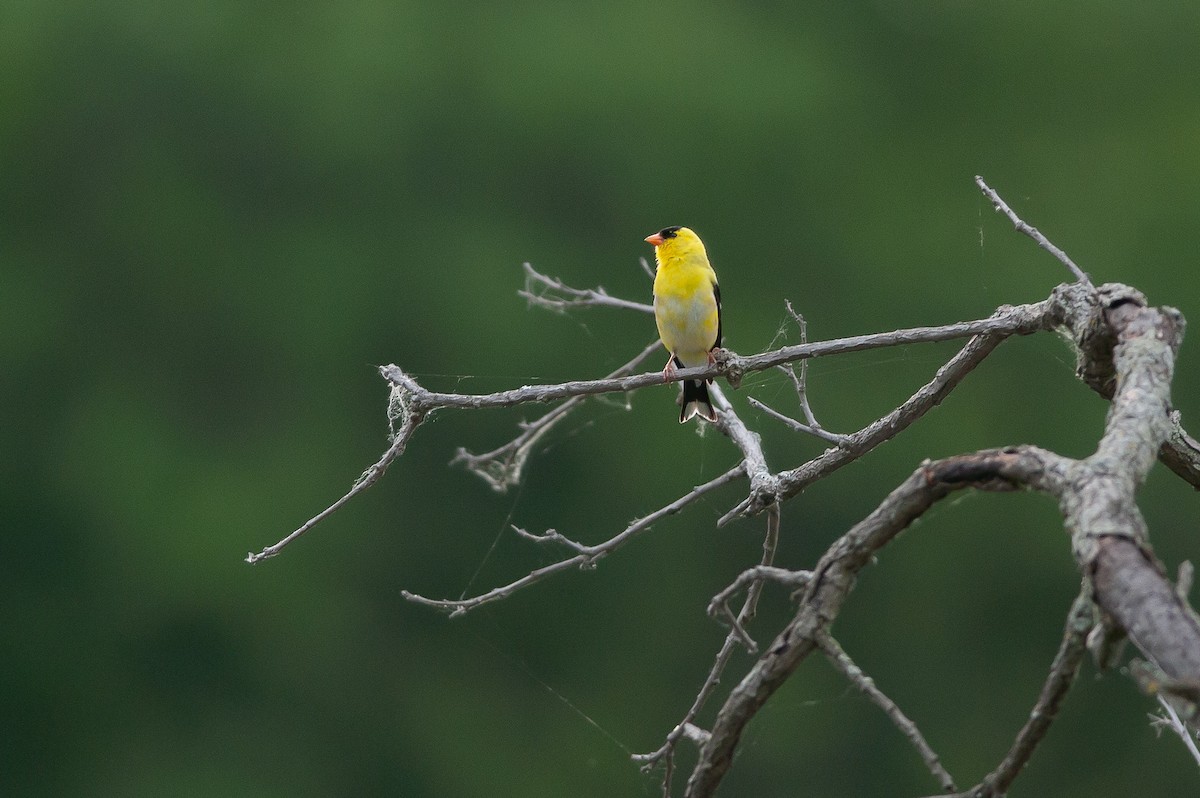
{"type": "Point", "coordinates": [798, 426]}
{"type": "Point", "coordinates": [801, 381]}
{"type": "Point", "coordinates": [1173, 722]}
{"type": "Point", "coordinates": [1022, 227]}
{"type": "Point", "coordinates": [568, 297]}
{"type": "Point", "coordinates": [1179, 700]}
{"type": "Point", "coordinates": [503, 467]}
{"type": "Point", "coordinates": [646, 267]}
{"type": "Point", "coordinates": [412, 419]}
{"type": "Point", "coordinates": [421, 402]}
{"type": "Point", "coordinates": [552, 536]}
{"type": "Point", "coordinates": [842, 661]}
{"type": "Point", "coordinates": [695, 734]}
{"type": "Point", "coordinates": [586, 557]}
{"type": "Point", "coordinates": [666, 753]}
{"type": "Point", "coordinates": [1183, 579]}
{"type": "Point", "coordinates": [718, 607]}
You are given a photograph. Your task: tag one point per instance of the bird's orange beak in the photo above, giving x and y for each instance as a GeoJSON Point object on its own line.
{"type": "Point", "coordinates": [655, 239]}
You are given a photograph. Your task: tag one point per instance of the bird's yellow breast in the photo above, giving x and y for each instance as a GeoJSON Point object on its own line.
{"type": "Point", "coordinates": [685, 308]}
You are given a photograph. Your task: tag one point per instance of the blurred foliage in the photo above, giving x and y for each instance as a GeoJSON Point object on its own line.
{"type": "Point", "coordinates": [217, 217]}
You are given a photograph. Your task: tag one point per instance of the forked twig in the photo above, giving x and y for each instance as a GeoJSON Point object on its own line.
{"type": "Point", "coordinates": [586, 556]}
{"type": "Point", "coordinates": [718, 607]}
{"type": "Point", "coordinates": [551, 293]}
{"type": "Point", "coordinates": [665, 754]}
{"type": "Point", "coordinates": [1175, 723]}
{"type": "Point", "coordinates": [503, 467]}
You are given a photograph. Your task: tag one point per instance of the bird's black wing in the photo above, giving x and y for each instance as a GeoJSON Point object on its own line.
{"type": "Point", "coordinates": [717, 294]}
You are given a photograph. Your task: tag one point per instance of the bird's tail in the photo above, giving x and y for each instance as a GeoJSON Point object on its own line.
{"type": "Point", "coordinates": [696, 402]}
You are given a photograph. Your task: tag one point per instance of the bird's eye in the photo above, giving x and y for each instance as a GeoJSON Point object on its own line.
{"type": "Point", "coordinates": [669, 232]}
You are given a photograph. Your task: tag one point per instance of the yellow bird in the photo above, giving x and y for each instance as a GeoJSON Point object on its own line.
{"type": "Point", "coordinates": [687, 309]}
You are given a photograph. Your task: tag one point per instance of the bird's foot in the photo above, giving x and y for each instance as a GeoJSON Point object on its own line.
{"type": "Point", "coordinates": [669, 370]}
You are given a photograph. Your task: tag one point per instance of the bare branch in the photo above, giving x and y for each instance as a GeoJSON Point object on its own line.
{"type": "Point", "coordinates": [502, 468]}
{"type": "Point", "coordinates": [551, 536]}
{"type": "Point", "coordinates": [646, 267]}
{"type": "Point", "coordinates": [1181, 452]}
{"type": "Point", "coordinates": [586, 557]}
{"type": "Point", "coordinates": [1173, 722]}
{"type": "Point", "coordinates": [798, 318]}
{"type": "Point", "coordinates": [1096, 496]}
{"type": "Point", "coordinates": [411, 420]}
{"type": "Point", "coordinates": [718, 608]}
{"type": "Point", "coordinates": [1021, 227]}
{"type": "Point", "coordinates": [666, 753]}
{"type": "Point", "coordinates": [801, 382]}
{"type": "Point", "coordinates": [1062, 675]}
{"type": "Point", "coordinates": [695, 734]}
{"type": "Point", "coordinates": [799, 426]}
{"type": "Point", "coordinates": [835, 573]}
{"type": "Point", "coordinates": [1095, 340]}
{"type": "Point", "coordinates": [1126, 352]}
{"type": "Point", "coordinates": [749, 443]}
{"type": "Point", "coordinates": [1107, 530]}
{"type": "Point", "coordinates": [420, 402]}
{"type": "Point", "coordinates": [852, 447]}
{"type": "Point", "coordinates": [755, 466]}
{"type": "Point", "coordinates": [1008, 321]}
{"type": "Point", "coordinates": [553, 294]}
{"type": "Point", "coordinates": [841, 660]}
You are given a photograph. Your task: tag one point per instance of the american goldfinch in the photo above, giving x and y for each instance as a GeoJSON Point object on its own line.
{"type": "Point", "coordinates": [687, 309]}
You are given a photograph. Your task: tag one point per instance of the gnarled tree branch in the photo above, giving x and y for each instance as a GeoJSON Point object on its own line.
{"type": "Point", "coordinates": [1126, 353]}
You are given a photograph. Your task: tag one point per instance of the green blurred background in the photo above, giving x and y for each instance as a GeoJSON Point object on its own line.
{"type": "Point", "coordinates": [218, 218]}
